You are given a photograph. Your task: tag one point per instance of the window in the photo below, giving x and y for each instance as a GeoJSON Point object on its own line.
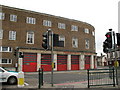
{"type": "Point", "coordinates": [61, 40]}
{"type": "Point", "coordinates": [13, 17]}
{"type": "Point", "coordinates": [74, 28]}
{"type": "Point", "coordinates": [12, 35]}
{"type": "Point", "coordinates": [1, 34]}
{"type": "Point", "coordinates": [5, 61]}
{"type": "Point", "coordinates": [5, 49]}
{"type": "Point", "coordinates": [74, 42]}
{"type": "Point", "coordinates": [93, 33]}
{"type": "Point", "coordinates": [30, 37]}
{"type": "Point", "coordinates": [61, 25]}
{"type": "Point", "coordinates": [87, 44]}
{"type": "Point", "coordinates": [47, 23]}
{"type": "Point", "coordinates": [2, 16]}
{"type": "Point", "coordinates": [86, 30]}
{"type": "Point", "coordinates": [31, 20]}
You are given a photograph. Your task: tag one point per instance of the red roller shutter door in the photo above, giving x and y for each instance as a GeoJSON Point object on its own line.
{"type": "Point", "coordinates": [30, 62]}
{"type": "Point", "coordinates": [46, 62]}
{"type": "Point", "coordinates": [75, 62]}
{"type": "Point", "coordinates": [61, 62]}
{"type": "Point", "coordinates": [87, 62]}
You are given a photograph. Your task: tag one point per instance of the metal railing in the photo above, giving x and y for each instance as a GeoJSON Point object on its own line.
{"type": "Point", "coordinates": [101, 77]}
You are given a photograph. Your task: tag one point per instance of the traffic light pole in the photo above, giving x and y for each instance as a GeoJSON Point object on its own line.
{"type": "Point", "coordinates": [52, 61]}
{"type": "Point", "coordinates": [50, 35]}
{"type": "Point", "coordinates": [115, 48]}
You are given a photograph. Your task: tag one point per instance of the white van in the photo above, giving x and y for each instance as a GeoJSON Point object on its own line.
{"type": "Point", "coordinates": [11, 77]}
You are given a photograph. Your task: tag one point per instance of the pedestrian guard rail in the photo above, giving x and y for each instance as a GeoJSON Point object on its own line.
{"type": "Point", "coordinates": [102, 77]}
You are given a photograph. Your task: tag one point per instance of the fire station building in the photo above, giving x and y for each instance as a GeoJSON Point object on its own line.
{"type": "Point", "coordinates": [22, 30]}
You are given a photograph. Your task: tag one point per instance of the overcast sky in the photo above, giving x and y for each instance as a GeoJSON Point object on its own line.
{"type": "Point", "coordinates": [102, 14]}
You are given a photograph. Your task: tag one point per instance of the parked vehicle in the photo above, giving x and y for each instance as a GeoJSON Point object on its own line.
{"type": "Point", "coordinates": [11, 77]}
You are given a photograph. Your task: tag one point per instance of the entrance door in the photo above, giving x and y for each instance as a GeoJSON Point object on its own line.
{"type": "Point", "coordinates": [46, 62]}
{"type": "Point", "coordinates": [87, 62]}
{"type": "Point", "coordinates": [61, 62]}
{"type": "Point", "coordinates": [75, 62]}
{"type": "Point", "coordinates": [30, 62]}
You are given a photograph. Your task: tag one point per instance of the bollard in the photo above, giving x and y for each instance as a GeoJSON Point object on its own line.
{"type": "Point", "coordinates": [40, 78]}
{"type": "Point", "coordinates": [20, 79]}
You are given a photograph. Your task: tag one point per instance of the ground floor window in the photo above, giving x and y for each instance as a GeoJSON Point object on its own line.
{"type": "Point", "coordinates": [5, 49]}
{"type": "Point", "coordinates": [5, 61]}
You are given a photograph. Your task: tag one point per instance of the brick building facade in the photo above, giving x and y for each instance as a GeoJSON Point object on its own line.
{"type": "Point", "coordinates": [22, 30]}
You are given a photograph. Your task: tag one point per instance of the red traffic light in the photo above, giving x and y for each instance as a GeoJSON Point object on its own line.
{"type": "Point", "coordinates": [108, 36]}
{"type": "Point", "coordinates": [109, 39]}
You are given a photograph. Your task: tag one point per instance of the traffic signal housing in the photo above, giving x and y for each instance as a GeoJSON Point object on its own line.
{"type": "Point", "coordinates": [118, 39]}
{"type": "Point", "coordinates": [55, 40]}
{"type": "Point", "coordinates": [21, 55]}
{"type": "Point", "coordinates": [109, 39]}
{"type": "Point", "coordinates": [45, 40]}
{"type": "Point", "coordinates": [105, 47]}
{"type": "Point", "coordinates": [15, 52]}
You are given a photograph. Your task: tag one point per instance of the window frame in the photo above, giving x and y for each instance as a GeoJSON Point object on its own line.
{"type": "Point", "coordinates": [86, 30]}
{"type": "Point", "coordinates": [87, 44]}
{"type": "Point", "coordinates": [74, 28]}
{"type": "Point", "coordinates": [31, 35]}
{"type": "Point", "coordinates": [12, 35]}
{"type": "Point", "coordinates": [9, 61]}
{"type": "Point", "coordinates": [31, 20]}
{"type": "Point", "coordinates": [62, 38]}
{"type": "Point", "coordinates": [13, 17]}
{"type": "Point", "coordinates": [61, 26]}
{"type": "Point", "coordinates": [1, 34]}
{"type": "Point", "coordinates": [2, 16]}
{"type": "Point", "coordinates": [93, 33]}
{"type": "Point", "coordinates": [9, 49]}
{"type": "Point", "coordinates": [74, 42]}
{"type": "Point", "coordinates": [47, 23]}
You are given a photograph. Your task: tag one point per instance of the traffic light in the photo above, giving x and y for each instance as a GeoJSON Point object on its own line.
{"type": "Point", "coordinates": [15, 52]}
{"type": "Point", "coordinates": [109, 39]}
{"type": "Point", "coordinates": [55, 40]}
{"type": "Point", "coordinates": [118, 39]}
{"type": "Point", "coordinates": [105, 47]}
{"type": "Point", "coordinates": [21, 55]}
{"type": "Point", "coordinates": [45, 43]}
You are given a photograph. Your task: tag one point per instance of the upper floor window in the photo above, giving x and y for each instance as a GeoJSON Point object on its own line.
{"type": "Point", "coordinates": [74, 28]}
{"type": "Point", "coordinates": [93, 33]}
{"type": "Point", "coordinates": [5, 49]}
{"type": "Point", "coordinates": [1, 34]}
{"type": "Point", "coordinates": [2, 16]}
{"type": "Point", "coordinates": [61, 25]}
{"type": "Point", "coordinates": [61, 40]}
{"type": "Point", "coordinates": [47, 23]}
{"type": "Point", "coordinates": [5, 61]}
{"type": "Point", "coordinates": [31, 20]}
{"type": "Point", "coordinates": [87, 44]}
{"type": "Point", "coordinates": [30, 37]}
{"type": "Point", "coordinates": [12, 35]}
{"type": "Point", "coordinates": [13, 18]}
{"type": "Point", "coordinates": [74, 42]}
{"type": "Point", "coordinates": [86, 30]}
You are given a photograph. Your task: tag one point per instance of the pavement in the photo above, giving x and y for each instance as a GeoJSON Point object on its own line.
{"type": "Point", "coordinates": [68, 85]}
